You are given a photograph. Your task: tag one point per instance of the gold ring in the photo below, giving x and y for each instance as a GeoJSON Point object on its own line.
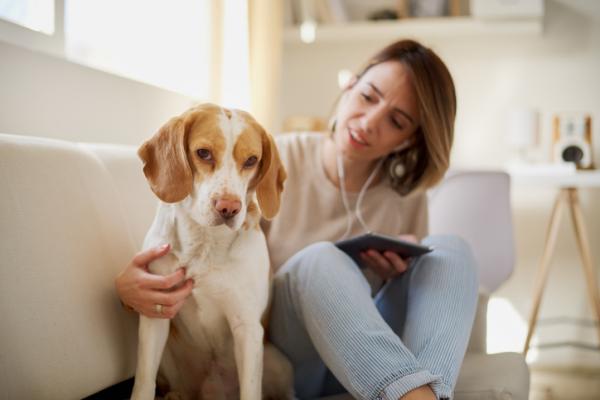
{"type": "Point", "coordinates": [158, 308]}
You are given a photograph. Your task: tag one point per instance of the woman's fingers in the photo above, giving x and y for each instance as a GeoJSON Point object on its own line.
{"type": "Point", "coordinates": [154, 310]}
{"type": "Point", "coordinates": [377, 263]}
{"type": "Point", "coordinates": [387, 265]}
{"type": "Point", "coordinates": [167, 305]}
{"type": "Point", "coordinates": [398, 263]}
{"type": "Point", "coordinates": [143, 258]}
{"type": "Point", "coordinates": [152, 295]}
{"type": "Point", "coordinates": [173, 297]}
{"type": "Point", "coordinates": [169, 311]}
{"type": "Point", "coordinates": [163, 282]}
{"type": "Point", "coordinates": [159, 303]}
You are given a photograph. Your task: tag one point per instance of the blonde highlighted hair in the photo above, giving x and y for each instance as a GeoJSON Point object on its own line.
{"type": "Point", "coordinates": [428, 158]}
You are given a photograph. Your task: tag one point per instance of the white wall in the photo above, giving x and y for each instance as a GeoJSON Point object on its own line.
{"type": "Point", "coordinates": [43, 95]}
{"type": "Point", "coordinates": [556, 71]}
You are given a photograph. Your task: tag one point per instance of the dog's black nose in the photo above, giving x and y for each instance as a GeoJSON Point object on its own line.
{"type": "Point", "coordinates": [227, 208]}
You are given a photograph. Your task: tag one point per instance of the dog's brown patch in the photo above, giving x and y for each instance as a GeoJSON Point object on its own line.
{"type": "Point", "coordinates": [248, 144]}
{"type": "Point", "coordinates": [205, 133]}
{"type": "Point", "coordinates": [165, 162]}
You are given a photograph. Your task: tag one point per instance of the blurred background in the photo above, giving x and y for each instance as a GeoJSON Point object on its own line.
{"type": "Point", "coordinates": [114, 71]}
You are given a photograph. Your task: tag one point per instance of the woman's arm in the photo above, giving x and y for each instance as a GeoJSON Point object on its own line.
{"type": "Point", "coordinates": [142, 291]}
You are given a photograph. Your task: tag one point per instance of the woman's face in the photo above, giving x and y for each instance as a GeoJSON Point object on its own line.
{"type": "Point", "coordinates": [377, 113]}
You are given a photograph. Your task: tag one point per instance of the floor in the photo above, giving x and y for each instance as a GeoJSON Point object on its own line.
{"type": "Point", "coordinates": [555, 384]}
{"type": "Point", "coordinates": [563, 384]}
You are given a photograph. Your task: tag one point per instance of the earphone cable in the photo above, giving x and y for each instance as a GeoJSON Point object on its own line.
{"type": "Point", "coordinates": [341, 177]}
{"type": "Point", "coordinates": [361, 194]}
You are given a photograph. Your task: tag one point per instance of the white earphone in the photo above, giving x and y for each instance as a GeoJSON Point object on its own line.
{"type": "Point", "coordinates": [396, 168]}
{"type": "Point", "coordinates": [402, 146]}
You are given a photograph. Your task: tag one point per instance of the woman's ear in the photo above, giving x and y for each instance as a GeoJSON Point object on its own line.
{"type": "Point", "coordinates": [165, 162]}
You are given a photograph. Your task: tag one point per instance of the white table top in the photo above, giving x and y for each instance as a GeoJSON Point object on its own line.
{"type": "Point", "coordinates": [557, 176]}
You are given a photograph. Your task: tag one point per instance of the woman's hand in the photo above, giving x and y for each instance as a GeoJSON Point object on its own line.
{"type": "Point", "coordinates": [152, 295]}
{"type": "Point", "coordinates": [387, 264]}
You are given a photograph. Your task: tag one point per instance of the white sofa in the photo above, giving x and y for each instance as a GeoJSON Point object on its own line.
{"type": "Point", "coordinates": [71, 216]}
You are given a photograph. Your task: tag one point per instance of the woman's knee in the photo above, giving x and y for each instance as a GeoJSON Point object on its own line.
{"type": "Point", "coordinates": [450, 243]}
{"type": "Point", "coordinates": [453, 257]}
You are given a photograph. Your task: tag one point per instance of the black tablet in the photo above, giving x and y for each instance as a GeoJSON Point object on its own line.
{"type": "Point", "coordinates": [354, 246]}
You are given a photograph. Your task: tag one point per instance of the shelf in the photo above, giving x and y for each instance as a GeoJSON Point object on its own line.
{"type": "Point", "coordinates": [421, 27]}
{"type": "Point", "coordinates": [557, 175]}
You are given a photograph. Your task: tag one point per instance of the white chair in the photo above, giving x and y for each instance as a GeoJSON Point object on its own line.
{"type": "Point", "coordinates": [476, 206]}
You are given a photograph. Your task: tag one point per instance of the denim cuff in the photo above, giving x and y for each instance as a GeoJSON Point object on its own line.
{"type": "Point", "coordinates": [406, 383]}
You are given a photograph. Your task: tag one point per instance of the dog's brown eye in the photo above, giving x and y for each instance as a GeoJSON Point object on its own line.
{"type": "Point", "coordinates": [250, 162]}
{"type": "Point", "coordinates": [205, 154]}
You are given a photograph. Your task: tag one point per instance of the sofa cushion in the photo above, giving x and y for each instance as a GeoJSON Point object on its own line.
{"type": "Point", "coordinates": [64, 333]}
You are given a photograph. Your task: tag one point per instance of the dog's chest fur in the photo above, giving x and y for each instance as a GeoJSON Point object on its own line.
{"type": "Point", "coordinates": [224, 265]}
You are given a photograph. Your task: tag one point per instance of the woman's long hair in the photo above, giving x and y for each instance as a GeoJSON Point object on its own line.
{"type": "Point", "coordinates": [426, 161]}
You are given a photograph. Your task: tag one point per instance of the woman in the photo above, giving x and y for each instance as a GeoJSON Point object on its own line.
{"type": "Point", "coordinates": [390, 140]}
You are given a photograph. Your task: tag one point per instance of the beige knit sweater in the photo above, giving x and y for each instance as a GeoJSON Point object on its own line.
{"type": "Point", "coordinates": [312, 209]}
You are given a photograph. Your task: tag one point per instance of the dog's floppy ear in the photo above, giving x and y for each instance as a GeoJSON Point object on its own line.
{"type": "Point", "coordinates": [271, 176]}
{"type": "Point", "coordinates": [165, 162]}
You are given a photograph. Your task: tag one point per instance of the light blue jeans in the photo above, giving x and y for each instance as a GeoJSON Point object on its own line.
{"type": "Point", "coordinates": [340, 339]}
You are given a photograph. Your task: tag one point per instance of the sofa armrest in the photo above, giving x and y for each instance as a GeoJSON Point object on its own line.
{"type": "Point", "coordinates": [63, 241]}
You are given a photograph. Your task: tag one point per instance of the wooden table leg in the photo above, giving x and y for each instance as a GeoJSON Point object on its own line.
{"type": "Point", "coordinates": [544, 265]}
{"type": "Point", "coordinates": [586, 255]}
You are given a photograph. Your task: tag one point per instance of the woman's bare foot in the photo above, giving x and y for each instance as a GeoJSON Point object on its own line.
{"type": "Point", "coordinates": [420, 393]}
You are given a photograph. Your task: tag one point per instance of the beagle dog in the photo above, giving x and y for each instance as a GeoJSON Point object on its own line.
{"type": "Point", "coordinates": [210, 167]}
